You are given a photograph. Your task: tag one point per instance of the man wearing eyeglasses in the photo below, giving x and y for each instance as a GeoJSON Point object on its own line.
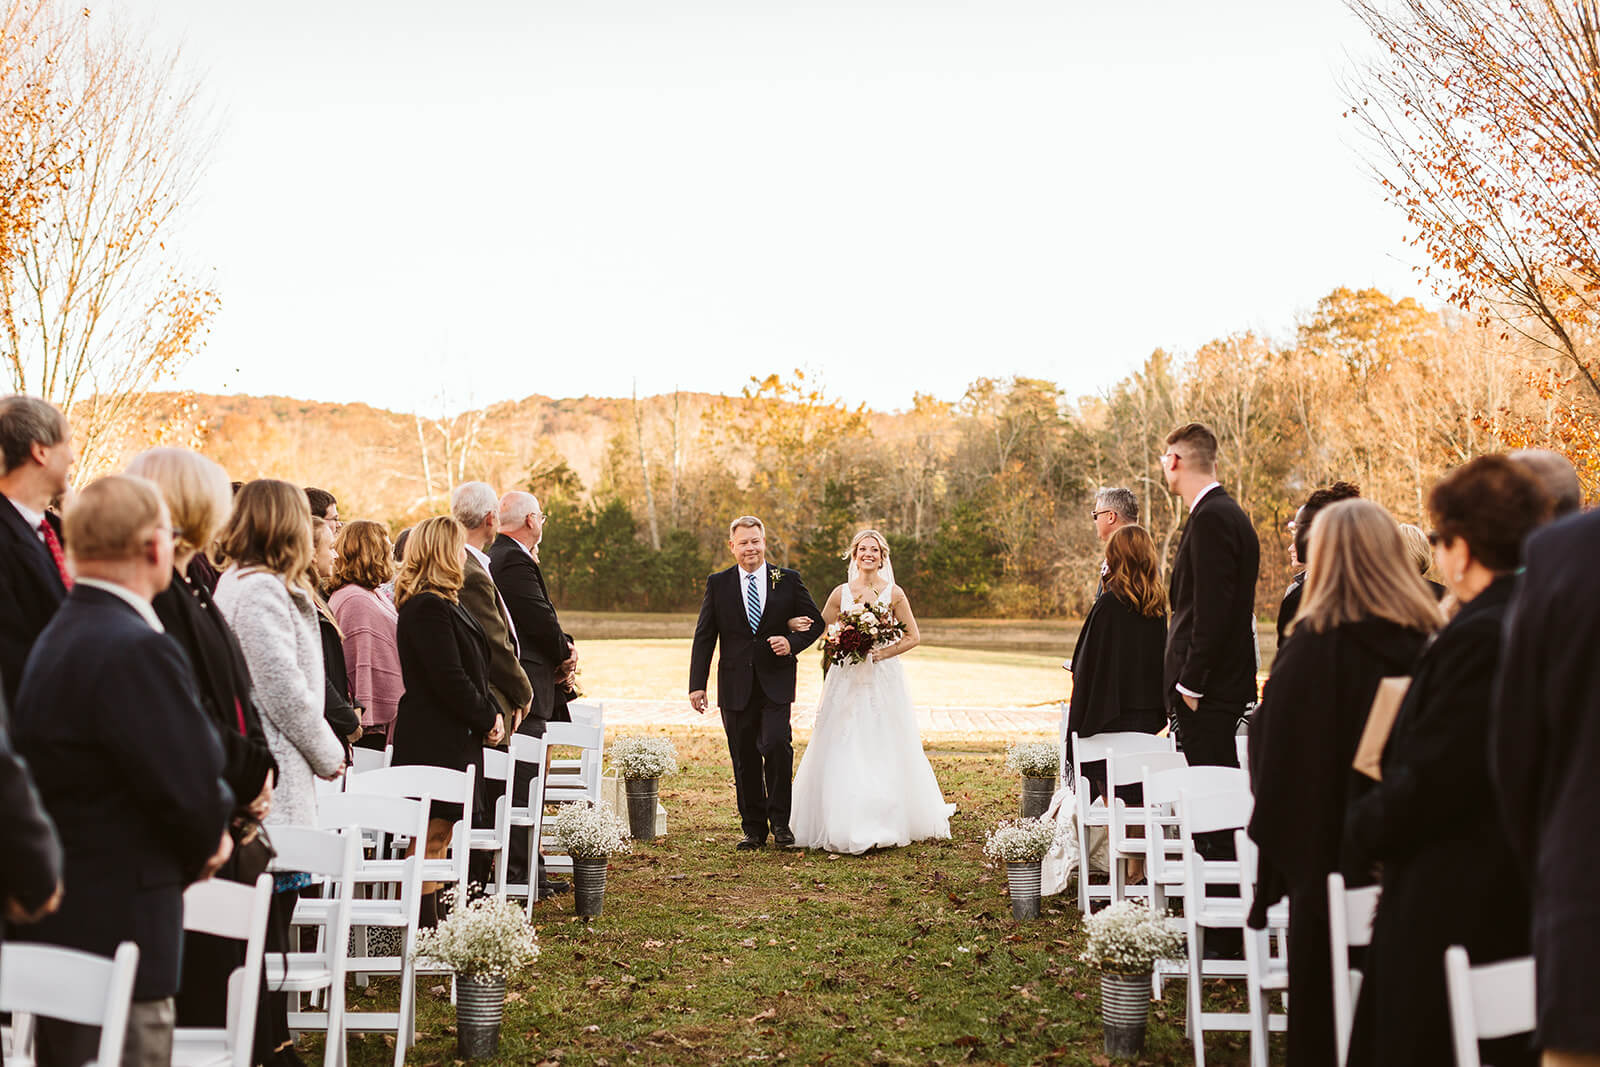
{"type": "Point", "coordinates": [1210, 670]}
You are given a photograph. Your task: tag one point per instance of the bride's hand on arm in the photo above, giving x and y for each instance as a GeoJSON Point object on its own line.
{"type": "Point", "coordinates": [799, 624]}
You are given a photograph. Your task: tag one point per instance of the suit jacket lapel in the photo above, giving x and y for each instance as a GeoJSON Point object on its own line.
{"type": "Point", "coordinates": [32, 549]}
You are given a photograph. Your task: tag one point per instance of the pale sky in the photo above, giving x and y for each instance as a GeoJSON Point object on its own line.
{"type": "Point", "coordinates": [484, 200]}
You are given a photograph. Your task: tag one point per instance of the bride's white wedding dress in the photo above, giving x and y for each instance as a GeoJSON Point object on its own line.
{"type": "Point", "coordinates": [864, 781]}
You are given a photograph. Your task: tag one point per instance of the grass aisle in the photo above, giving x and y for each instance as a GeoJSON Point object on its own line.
{"type": "Point", "coordinates": [705, 955]}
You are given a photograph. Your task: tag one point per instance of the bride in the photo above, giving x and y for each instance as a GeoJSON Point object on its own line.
{"type": "Point", "coordinates": [864, 781]}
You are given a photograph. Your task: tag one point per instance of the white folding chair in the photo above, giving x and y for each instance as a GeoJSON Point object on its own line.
{"type": "Point", "coordinates": [369, 759]}
{"type": "Point", "coordinates": [393, 901]}
{"type": "Point", "coordinates": [1203, 910]}
{"type": "Point", "coordinates": [227, 909]}
{"type": "Point", "coordinates": [1087, 750]}
{"type": "Point", "coordinates": [1241, 747]}
{"type": "Point", "coordinates": [415, 781]}
{"type": "Point", "coordinates": [496, 838]}
{"type": "Point", "coordinates": [75, 987]}
{"type": "Point", "coordinates": [1063, 746]}
{"type": "Point", "coordinates": [588, 712]}
{"type": "Point", "coordinates": [1350, 915]}
{"type": "Point", "coordinates": [1266, 970]}
{"type": "Point", "coordinates": [332, 857]}
{"type": "Point", "coordinates": [519, 818]}
{"type": "Point", "coordinates": [1130, 769]}
{"type": "Point", "coordinates": [1487, 1001]}
{"type": "Point", "coordinates": [579, 779]}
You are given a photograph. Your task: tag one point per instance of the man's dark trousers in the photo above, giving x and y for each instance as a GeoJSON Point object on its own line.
{"type": "Point", "coordinates": [762, 750]}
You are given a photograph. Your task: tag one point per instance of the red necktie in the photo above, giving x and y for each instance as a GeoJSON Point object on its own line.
{"type": "Point", "coordinates": [54, 545]}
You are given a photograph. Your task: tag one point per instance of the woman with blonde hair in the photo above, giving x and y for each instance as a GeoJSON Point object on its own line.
{"type": "Point", "coordinates": [1421, 553]}
{"type": "Point", "coordinates": [1364, 616]}
{"type": "Point", "coordinates": [367, 620]}
{"type": "Point", "coordinates": [199, 499]}
{"type": "Point", "coordinates": [272, 608]}
{"type": "Point", "coordinates": [447, 713]}
{"type": "Point", "coordinates": [1116, 662]}
{"type": "Point", "coordinates": [337, 707]}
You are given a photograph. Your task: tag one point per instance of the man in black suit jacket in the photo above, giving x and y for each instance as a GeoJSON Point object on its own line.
{"type": "Point", "coordinates": [748, 607]}
{"type": "Point", "coordinates": [127, 764]}
{"type": "Point", "coordinates": [547, 652]}
{"type": "Point", "coordinates": [30, 850]}
{"type": "Point", "coordinates": [35, 456]}
{"type": "Point", "coordinates": [1544, 746]}
{"type": "Point", "coordinates": [1210, 667]}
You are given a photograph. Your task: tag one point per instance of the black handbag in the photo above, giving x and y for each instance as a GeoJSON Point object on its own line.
{"type": "Point", "coordinates": [252, 852]}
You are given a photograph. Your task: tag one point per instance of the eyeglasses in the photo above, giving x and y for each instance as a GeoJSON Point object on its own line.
{"type": "Point", "coordinates": [1169, 454]}
{"type": "Point", "coordinates": [1095, 515]}
{"type": "Point", "coordinates": [1434, 537]}
{"type": "Point", "coordinates": [172, 532]}
{"type": "Point", "coordinates": [537, 515]}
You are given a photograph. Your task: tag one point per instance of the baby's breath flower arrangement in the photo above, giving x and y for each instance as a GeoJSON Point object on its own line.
{"type": "Point", "coordinates": [588, 832]}
{"type": "Point", "coordinates": [644, 757]}
{"type": "Point", "coordinates": [488, 938]}
{"type": "Point", "coordinates": [1033, 759]}
{"type": "Point", "coordinates": [1128, 938]}
{"type": "Point", "coordinates": [1020, 840]}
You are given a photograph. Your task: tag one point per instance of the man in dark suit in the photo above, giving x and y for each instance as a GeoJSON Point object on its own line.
{"type": "Point", "coordinates": [748, 607]}
{"type": "Point", "coordinates": [1544, 746]}
{"type": "Point", "coordinates": [476, 507]}
{"type": "Point", "coordinates": [548, 655]}
{"type": "Point", "coordinates": [30, 850]}
{"type": "Point", "coordinates": [36, 453]}
{"type": "Point", "coordinates": [1210, 667]}
{"type": "Point", "coordinates": [127, 764]}
{"type": "Point", "coordinates": [1300, 530]}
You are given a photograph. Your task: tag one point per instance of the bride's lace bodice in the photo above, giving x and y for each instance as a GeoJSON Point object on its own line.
{"type": "Point", "coordinates": [848, 601]}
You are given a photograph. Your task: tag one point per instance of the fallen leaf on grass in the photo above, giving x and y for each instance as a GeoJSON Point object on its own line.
{"type": "Point", "coordinates": [770, 1013]}
{"type": "Point", "coordinates": [969, 1041]}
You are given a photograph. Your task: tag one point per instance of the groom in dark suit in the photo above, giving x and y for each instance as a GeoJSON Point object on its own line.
{"type": "Point", "coordinates": [748, 607]}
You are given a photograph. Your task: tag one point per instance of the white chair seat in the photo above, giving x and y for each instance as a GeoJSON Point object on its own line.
{"type": "Point", "coordinates": [201, 1047]}
{"type": "Point", "coordinates": [297, 972]}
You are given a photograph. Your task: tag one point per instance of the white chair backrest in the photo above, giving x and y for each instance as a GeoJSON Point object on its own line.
{"type": "Point", "coordinates": [76, 987]}
{"type": "Point", "coordinates": [1166, 787]}
{"type": "Point", "coordinates": [588, 712]}
{"type": "Point", "coordinates": [496, 765]}
{"type": "Point", "coordinates": [1095, 746]}
{"type": "Point", "coordinates": [573, 735]}
{"type": "Point", "coordinates": [322, 853]}
{"type": "Point", "coordinates": [1350, 915]}
{"type": "Point", "coordinates": [368, 759]}
{"type": "Point", "coordinates": [1206, 813]}
{"type": "Point", "coordinates": [228, 909]}
{"type": "Point", "coordinates": [1130, 768]}
{"type": "Point", "coordinates": [1488, 1001]}
{"type": "Point", "coordinates": [375, 812]}
{"type": "Point", "coordinates": [415, 781]}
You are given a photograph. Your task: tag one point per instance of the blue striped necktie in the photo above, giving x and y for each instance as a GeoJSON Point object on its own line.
{"type": "Point", "coordinates": [752, 602]}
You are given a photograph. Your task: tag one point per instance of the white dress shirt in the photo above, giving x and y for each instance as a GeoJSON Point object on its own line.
{"type": "Point", "coordinates": [32, 518]}
{"type": "Point", "coordinates": [761, 587]}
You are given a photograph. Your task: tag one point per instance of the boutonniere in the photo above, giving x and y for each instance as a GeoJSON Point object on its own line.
{"type": "Point", "coordinates": [774, 575]}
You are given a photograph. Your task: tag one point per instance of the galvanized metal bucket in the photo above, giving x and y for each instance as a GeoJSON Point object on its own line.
{"type": "Point", "coordinates": [480, 1005]}
{"type": "Point", "coordinates": [1025, 884]}
{"type": "Point", "coordinates": [643, 794]}
{"type": "Point", "coordinates": [589, 884]}
{"type": "Point", "coordinates": [1036, 794]}
{"type": "Point", "coordinates": [1124, 1013]}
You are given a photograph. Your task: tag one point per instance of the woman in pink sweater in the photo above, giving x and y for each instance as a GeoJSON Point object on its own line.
{"type": "Point", "coordinates": [367, 620]}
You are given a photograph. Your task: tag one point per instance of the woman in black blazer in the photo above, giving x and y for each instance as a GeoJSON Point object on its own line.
{"type": "Point", "coordinates": [200, 498]}
{"type": "Point", "coordinates": [1364, 616]}
{"type": "Point", "coordinates": [1116, 663]}
{"type": "Point", "coordinates": [447, 713]}
{"type": "Point", "coordinates": [1449, 876]}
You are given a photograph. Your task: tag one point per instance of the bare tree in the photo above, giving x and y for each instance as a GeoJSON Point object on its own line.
{"type": "Point", "coordinates": [644, 471]}
{"type": "Point", "coordinates": [94, 307]}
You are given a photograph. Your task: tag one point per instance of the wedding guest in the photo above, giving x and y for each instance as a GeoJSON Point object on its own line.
{"type": "Point", "coordinates": [323, 506]}
{"type": "Point", "coordinates": [1114, 508]}
{"type": "Point", "coordinates": [35, 457]}
{"type": "Point", "coordinates": [367, 619]}
{"type": "Point", "coordinates": [1420, 552]}
{"type": "Point", "coordinates": [1209, 676]}
{"type": "Point", "coordinates": [1557, 476]}
{"type": "Point", "coordinates": [30, 849]}
{"type": "Point", "coordinates": [1116, 664]}
{"type": "Point", "coordinates": [1300, 530]}
{"type": "Point", "coordinates": [477, 508]}
{"type": "Point", "coordinates": [386, 590]}
{"type": "Point", "coordinates": [198, 499]}
{"type": "Point", "coordinates": [1449, 875]}
{"type": "Point", "coordinates": [126, 764]}
{"type": "Point", "coordinates": [447, 713]}
{"type": "Point", "coordinates": [1544, 747]}
{"type": "Point", "coordinates": [265, 597]}
{"type": "Point", "coordinates": [344, 717]}
{"type": "Point", "coordinates": [1365, 617]}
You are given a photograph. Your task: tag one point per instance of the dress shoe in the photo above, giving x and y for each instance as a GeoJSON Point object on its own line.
{"type": "Point", "coordinates": [553, 887]}
{"type": "Point", "coordinates": [749, 844]}
{"type": "Point", "coordinates": [783, 837]}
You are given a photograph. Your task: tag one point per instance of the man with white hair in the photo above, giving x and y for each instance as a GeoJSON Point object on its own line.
{"type": "Point", "coordinates": [475, 506]}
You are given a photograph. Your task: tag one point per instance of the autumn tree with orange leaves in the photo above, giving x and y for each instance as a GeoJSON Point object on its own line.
{"type": "Point", "coordinates": [1484, 117]}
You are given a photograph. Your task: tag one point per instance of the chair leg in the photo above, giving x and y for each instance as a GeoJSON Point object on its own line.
{"type": "Point", "coordinates": [406, 1022]}
{"type": "Point", "coordinates": [1194, 1024]}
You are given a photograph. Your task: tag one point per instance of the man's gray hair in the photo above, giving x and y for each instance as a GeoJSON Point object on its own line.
{"type": "Point", "coordinates": [1122, 501]}
{"type": "Point", "coordinates": [515, 507]}
{"type": "Point", "coordinates": [471, 502]}
{"type": "Point", "coordinates": [743, 521]}
{"type": "Point", "coordinates": [26, 421]}
{"type": "Point", "coordinates": [1556, 476]}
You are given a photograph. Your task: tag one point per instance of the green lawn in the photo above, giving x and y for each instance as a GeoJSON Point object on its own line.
{"type": "Point", "coordinates": [658, 669]}
{"type": "Point", "coordinates": [707, 956]}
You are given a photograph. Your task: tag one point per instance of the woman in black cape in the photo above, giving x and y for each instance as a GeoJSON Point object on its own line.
{"type": "Point", "coordinates": [1365, 615]}
{"type": "Point", "coordinates": [1449, 874]}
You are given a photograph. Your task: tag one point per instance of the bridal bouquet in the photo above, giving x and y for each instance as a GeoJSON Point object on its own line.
{"type": "Point", "coordinates": [858, 631]}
